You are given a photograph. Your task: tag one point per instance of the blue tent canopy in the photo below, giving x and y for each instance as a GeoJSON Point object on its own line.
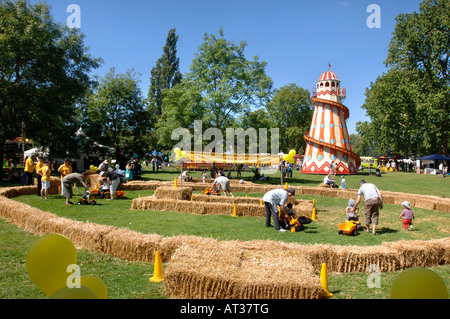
{"type": "Point", "coordinates": [155, 153]}
{"type": "Point", "coordinates": [434, 157]}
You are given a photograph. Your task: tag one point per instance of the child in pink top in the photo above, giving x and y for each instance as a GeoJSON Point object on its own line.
{"type": "Point", "coordinates": [407, 215]}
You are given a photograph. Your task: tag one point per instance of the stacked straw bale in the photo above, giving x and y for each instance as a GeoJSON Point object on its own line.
{"type": "Point", "coordinates": [214, 205]}
{"type": "Point", "coordinates": [395, 198]}
{"type": "Point", "coordinates": [230, 270]}
{"type": "Point", "coordinates": [170, 192]}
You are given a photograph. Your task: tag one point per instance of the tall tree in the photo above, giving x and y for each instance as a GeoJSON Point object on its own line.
{"type": "Point", "coordinates": [229, 83]}
{"type": "Point", "coordinates": [398, 122]}
{"type": "Point", "coordinates": [44, 71]}
{"type": "Point", "coordinates": [115, 114]}
{"type": "Point", "coordinates": [420, 45]}
{"type": "Point", "coordinates": [291, 111]}
{"type": "Point", "coordinates": [165, 75]}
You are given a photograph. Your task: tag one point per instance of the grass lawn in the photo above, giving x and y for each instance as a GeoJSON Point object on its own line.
{"type": "Point", "coordinates": [126, 280]}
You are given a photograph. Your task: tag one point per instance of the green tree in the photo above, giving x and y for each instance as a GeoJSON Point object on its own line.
{"type": "Point", "coordinates": [291, 111]}
{"type": "Point", "coordinates": [182, 106]}
{"type": "Point", "coordinates": [165, 75]}
{"type": "Point", "coordinates": [229, 83]}
{"type": "Point", "coordinates": [398, 122]}
{"type": "Point", "coordinates": [420, 45]}
{"type": "Point", "coordinates": [115, 114]}
{"type": "Point", "coordinates": [44, 71]}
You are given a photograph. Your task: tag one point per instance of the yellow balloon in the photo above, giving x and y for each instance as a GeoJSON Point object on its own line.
{"type": "Point", "coordinates": [285, 157]}
{"type": "Point", "coordinates": [74, 293]}
{"type": "Point", "coordinates": [176, 150]}
{"type": "Point", "coordinates": [418, 283]}
{"type": "Point", "coordinates": [292, 153]}
{"type": "Point", "coordinates": [291, 160]}
{"type": "Point", "coordinates": [47, 260]}
{"type": "Point", "coordinates": [95, 284]}
{"type": "Point", "coordinates": [183, 154]}
{"type": "Point", "coordinates": [92, 168]}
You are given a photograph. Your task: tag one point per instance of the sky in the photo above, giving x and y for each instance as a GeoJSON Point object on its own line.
{"type": "Point", "coordinates": [297, 38]}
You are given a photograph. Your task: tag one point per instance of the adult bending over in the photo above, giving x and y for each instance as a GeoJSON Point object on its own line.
{"type": "Point", "coordinates": [69, 180]}
{"type": "Point", "coordinates": [274, 199]}
{"type": "Point", "coordinates": [114, 180]}
{"type": "Point", "coordinates": [224, 183]}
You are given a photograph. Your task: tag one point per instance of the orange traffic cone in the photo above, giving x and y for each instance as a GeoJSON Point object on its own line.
{"type": "Point", "coordinates": [158, 274]}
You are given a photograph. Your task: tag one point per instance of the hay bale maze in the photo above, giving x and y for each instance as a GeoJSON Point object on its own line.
{"type": "Point", "coordinates": [169, 198]}
{"type": "Point", "coordinates": [205, 268]}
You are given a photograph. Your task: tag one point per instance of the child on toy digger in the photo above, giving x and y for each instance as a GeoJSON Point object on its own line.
{"type": "Point", "coordinates": [351, 215]}
{"type": "Point", "coordinates": [288, 220]}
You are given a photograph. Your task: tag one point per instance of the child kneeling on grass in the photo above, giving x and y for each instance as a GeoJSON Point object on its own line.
{"type": "Point", "coordinates": [407, 215]}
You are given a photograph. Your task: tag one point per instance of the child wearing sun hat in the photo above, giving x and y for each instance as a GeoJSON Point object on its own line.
{"type": "Point", "coordinates": [407, 216]}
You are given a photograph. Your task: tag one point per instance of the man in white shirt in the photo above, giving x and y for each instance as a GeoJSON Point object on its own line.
{"type": "Point", "coordinates": [274, 199]}
{"type": "Point", "coordinates": [373, 202]}
{"type": "Point", "coordinates": [224, 183]}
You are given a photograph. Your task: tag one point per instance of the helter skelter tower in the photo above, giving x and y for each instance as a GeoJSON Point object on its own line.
{"type": "Point", "coordinates": [327, 140]}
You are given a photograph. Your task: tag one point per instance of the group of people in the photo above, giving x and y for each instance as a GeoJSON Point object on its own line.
{"type": "Point", "coordinates": [275, 200]}
{"type": "Point", "coordinates": [110, 179]}
{"type": "Point", "coordinates": [41, 166]}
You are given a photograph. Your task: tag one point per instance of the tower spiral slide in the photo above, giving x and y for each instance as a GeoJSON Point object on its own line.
{"type": "Point", "coordinates": [328, 140]}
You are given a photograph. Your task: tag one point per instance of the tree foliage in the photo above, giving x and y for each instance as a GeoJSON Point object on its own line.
{"type": "Point", "coordinates": [165, 75]}
{"type": "Point", "coordinates": [409, 105]}
{"type": "Point", "coordinates": [115, 114]}
{"type": "Point", "coordinates": [228, 82]}
{"type": "Point", "coordinates": [291, 111]}
{"type": "Point", "coordinates": [44, 71]}
{"type": "Point", "coordinates": [221, 86]}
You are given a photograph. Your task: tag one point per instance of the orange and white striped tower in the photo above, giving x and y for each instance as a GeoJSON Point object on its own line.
{"type": "Point", "coordinates": [328, 141]}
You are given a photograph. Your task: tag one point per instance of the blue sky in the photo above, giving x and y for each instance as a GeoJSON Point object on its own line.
{"type": "Point", "coordinates": [296, 38]}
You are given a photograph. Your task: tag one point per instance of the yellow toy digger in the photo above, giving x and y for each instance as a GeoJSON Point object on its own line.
{"type": "Point", "coordinates": [350, 227]}
{"type": "Point", "coordinates": [209, 191]}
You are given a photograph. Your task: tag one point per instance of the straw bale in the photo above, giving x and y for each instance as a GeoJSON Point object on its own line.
{"type": "Point", "coordinates": [130, 245]}
{"type": "Point", "coordinates": [197, 208]}
{"type": "Point", "coordinates": [169, 245]}
{"type": "Point", "coordinates": [9, 192]}
{"type": "Point", "coordinates": [229, 270]}
{"type": "Point", "coordinates": [141, 185]}
{"type": "Point", "coordinates": [420, 253]}
{"type": "Point", "coordinates": [443, 206]}
{"type": "Point", "coordinates": [425, 203]}
{"type": "Point", "coordinates": [170, 192]}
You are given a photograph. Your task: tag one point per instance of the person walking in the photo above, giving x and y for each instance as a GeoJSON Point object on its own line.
{"type": "Point", "coordinates": [373, 202]}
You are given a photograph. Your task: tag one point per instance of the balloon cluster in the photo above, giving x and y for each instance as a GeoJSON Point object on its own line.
{"type": "Point", "coordinates": [49, 261]}
{"type": "Point", "coordinates": [289, 157]}
{"type": "Point", "coordinates": [93, 168]}
{"type": "Point", "coordinates": [179, 154]}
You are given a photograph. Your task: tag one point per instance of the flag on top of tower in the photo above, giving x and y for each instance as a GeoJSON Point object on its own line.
{"type": "Point", "coordinates": [329, 65]}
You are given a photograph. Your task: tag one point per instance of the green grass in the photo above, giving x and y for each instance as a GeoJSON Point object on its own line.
{"type": "Point", "coordinates": [126, 280]}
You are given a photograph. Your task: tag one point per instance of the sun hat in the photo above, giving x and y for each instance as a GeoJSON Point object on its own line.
{"type": "Point", "coordinates": [406, 204]}
{"type": "Point", "coordinates": [292, 191]}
